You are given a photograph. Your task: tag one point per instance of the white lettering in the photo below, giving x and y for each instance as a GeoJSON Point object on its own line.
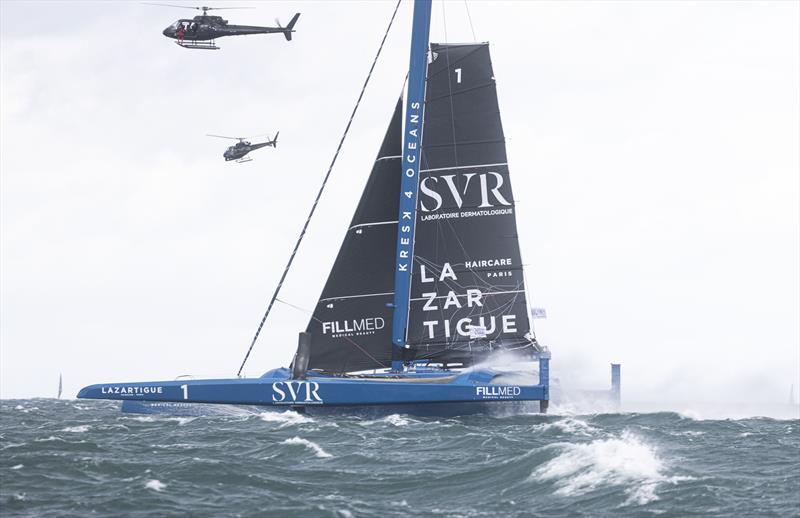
{"type": "Point", "coordinates": [509, 324]}
{"type": "Point", "coordinates": [429, 304]}
{"type": "Point", "coordinates": [451, 300]}
{"type": "Point", "coordinates": [474, 297]}
{"type": "Point", "coordinates": [295, 389]}
{"type": "Point", "coordinates": [430, 324]}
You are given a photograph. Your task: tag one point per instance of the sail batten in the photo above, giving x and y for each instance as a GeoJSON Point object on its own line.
{"type": "Point", "coordinates": [432, 169]}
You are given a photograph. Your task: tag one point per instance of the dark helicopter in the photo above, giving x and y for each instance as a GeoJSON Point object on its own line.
{"type": "Point", "coordinates": [239, 150]}
{"type": "Point", "coordinates": [201, 31]}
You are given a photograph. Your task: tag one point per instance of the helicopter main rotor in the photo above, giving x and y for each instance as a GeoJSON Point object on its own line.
{"type": "Point", "coordinates": [240, 139]}
{"type": "Point", "coordinates": [205, 9]}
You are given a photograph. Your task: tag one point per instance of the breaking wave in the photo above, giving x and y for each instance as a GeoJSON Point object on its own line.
{"type": "Point", "coordinates": [316, 448]}
{"type": "Point", "coordinates": [287, 418]}
{"type": "Point", "coordinates": [626, 462]}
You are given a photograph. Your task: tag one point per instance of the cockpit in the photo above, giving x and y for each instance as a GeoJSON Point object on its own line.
{"type": "Point", "coordinates": [181, 26]}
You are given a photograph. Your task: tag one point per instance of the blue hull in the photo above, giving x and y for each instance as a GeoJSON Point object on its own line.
{"type": "Point", "coordinates": [497, 408]}
{"type": "Point", "coordinates": [420, 393]}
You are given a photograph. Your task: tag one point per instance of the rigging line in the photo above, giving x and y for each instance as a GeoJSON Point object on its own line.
{"type": "Point", "coordinates": [320, 321]}
{"type": "Point", "coordinates": [449, 83]}
{"type": "Point", "coordinates": [469, 17]}
{"type": "Point", "coordinates": [319, 195]}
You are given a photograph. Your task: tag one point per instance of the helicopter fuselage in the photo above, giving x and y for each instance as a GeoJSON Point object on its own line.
{"type": "Point", "coordinates": [204, 28]}
{"type": "Point", "coordinates": [238, 151]}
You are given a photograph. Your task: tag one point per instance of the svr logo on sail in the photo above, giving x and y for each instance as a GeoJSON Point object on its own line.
{"type": "Point", "coordinates": [293, 392]}
{"type": "Point", "coordinates": [432, 189]}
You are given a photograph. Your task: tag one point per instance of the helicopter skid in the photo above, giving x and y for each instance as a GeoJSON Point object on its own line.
{"type": "Point", "coordinates": [194, 44]}
{"type": "Point", "coordinates": [243, 160]}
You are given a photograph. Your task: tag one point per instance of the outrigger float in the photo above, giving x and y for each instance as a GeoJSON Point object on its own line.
{"type": "Point", "coordinates": [428, 288]}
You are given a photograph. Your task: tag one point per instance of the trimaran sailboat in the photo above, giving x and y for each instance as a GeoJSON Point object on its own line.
{"type": "Point", "coordinates": [428, 285]}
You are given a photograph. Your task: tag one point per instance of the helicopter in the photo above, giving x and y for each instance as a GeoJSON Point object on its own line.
{"type": "Point", "coordinates": [240, 150]}
{"type": "Point", "coordinates": [201, 31]}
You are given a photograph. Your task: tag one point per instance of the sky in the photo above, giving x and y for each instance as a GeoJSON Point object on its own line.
{"type": "Point", "coordinates": [653, 150]}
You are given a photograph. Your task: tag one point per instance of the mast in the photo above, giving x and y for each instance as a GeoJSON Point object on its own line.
{"type": "Point", "coordinates": [412, 142]}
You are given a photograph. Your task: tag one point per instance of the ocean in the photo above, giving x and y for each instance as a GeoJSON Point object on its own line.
{"type": "Point", "coordinates": [84, 458]}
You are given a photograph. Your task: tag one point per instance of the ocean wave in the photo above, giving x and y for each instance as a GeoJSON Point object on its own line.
{"type": "Point", "coordinates": [77, 429]}
{"type": "Point", "coordinates": [316, 448]}
{"type": "Point", "coordinates": [397, 420]}
{"type": "Point", "coordinates": [151, 419]}
{"type": "Point", "coordinates": [391, 419]}
{"type": "Point", "coordinates": [568, 425]}
{"type": "Point", "coordinates": [287, 418]}
{"type": "Point", "coordinates": [626, 461]}
{"type": "Point", "coordinates": [155, 485]}
{"type": "Point", "coordinates": [50, 439]}
{"type": "Point", "coordinates": [12, 445]}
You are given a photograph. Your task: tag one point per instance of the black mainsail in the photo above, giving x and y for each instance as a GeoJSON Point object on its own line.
{"type": "Point", "coordinates": [351, 325]}
{"type": "Point", "coordinates": [467, 289]}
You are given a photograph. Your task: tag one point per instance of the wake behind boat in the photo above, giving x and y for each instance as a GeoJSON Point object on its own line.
{"type": "Point", "coordinates": [428, 284]}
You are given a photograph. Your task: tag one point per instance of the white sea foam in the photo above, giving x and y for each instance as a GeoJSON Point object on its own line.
{"type": "Point", "coordinates": [287, 418]}
{"type": "Point", "coordinates": [397, 420]}
{"type": "Point", "coordinates": [155, 485]}
{"type": "Point", "coordinates": [694, 415]}
{"type": "Point", "coordinates": [77, 429]}
{"type": "Point", "coordinates": [18, 466]}
{"type": "Point", "coordinates": [143, 419]}
{"type": "Point", "coordinates": [151, 419]}
{"type": "Point", "coordinates": [318, 451]}
{"type": "Point", "coordinates": [570, 426]}
{"type": "Point", "coordinates": [625, 461]}
{"type": "Point", "coordinates": [687, 433]}
{"type": "Point", "coordinates": [51, 438]}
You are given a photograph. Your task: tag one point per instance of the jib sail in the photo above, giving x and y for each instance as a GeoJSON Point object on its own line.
{"type": "Point", "coordinates": [351, 325]}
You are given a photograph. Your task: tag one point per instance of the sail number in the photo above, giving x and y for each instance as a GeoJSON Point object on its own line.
{"type": "Point", "coordinates": [458, 75]}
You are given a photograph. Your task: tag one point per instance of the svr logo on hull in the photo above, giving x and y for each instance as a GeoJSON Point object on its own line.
{"type": "Point", "coordinates": [295, 392]}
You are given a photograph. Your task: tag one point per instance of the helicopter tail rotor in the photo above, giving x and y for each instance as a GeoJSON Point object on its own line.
{"type": "Point", "coordinates": [287, 32]}
{"type": "Point", "coordinates": [275, 140]}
